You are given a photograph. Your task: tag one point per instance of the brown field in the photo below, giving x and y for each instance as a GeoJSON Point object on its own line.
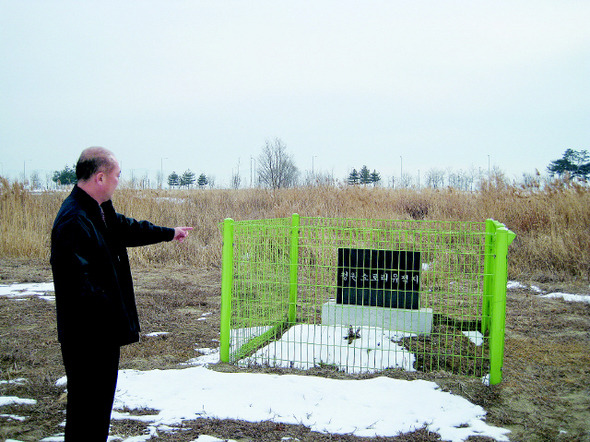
{"type": "Point", "coordinates": [545, 394]}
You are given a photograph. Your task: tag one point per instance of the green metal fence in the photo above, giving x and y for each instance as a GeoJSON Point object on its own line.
{"type": "Point", "coordinates": [365, 295]}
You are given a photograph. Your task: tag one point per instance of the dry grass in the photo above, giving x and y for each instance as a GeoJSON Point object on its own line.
{"type": "Point", "coordinates": [449, 350]}
{"type": "Point", "coordinates": [544, 393]}
{"type": "Point", "coordinates": [551, 224]}
{"type": "Point", "coordinates": [543, 396]}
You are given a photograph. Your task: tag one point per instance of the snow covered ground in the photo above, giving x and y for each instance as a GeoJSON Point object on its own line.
{"type": "Point", "coordinates": [512, 285]}
{"type": "Point", "coordinates": [21, 292]}
{"type": "Point", "coordinates": [373, 407]}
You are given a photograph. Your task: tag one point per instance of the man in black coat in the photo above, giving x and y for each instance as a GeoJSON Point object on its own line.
{"type": "Point", "coordinates": [95, 302]}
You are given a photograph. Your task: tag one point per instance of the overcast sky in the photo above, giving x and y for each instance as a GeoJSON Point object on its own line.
{"type": "Point", "coordinates": [201, 85]}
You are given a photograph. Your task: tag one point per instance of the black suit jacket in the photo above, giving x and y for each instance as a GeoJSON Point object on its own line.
{"type": "Point", "coordinates": [95, 302]}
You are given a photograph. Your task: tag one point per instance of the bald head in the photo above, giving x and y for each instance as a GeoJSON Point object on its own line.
{"type": "Point", "coordinates": [98, 173]}
{"type": "Point", "coordinates": [94, 160]}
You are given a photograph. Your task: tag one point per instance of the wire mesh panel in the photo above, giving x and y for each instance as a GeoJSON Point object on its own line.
{"type": "Point", "coordinates": [260, 293]}
{"type": "Point", "coordinates": [360, 295]}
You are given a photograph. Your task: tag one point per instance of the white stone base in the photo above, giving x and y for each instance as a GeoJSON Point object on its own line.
{"type": "Point", "coordinates": [410, 321]}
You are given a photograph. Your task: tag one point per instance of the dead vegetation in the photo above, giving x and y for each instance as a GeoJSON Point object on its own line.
{"type": "Point", "coordinates": [448, 349]}
{"type": "Point", "coordinates": [550, 223]}
{"type": "Point", "coordinates": [545, 393]}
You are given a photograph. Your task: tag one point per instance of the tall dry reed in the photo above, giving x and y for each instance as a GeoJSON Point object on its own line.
{"type": "Point", "coordinates": [551, 224]}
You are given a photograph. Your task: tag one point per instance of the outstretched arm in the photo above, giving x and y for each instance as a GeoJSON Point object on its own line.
{"type": "Point", "coordinates": [180, 233]}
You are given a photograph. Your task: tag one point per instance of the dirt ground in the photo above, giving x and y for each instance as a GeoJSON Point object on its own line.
{"type": "Point", "coordinates": [545, 394]}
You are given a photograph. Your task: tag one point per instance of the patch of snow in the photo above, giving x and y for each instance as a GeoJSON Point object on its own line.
{"type": "Point", "coordinates": [56, 438]}
{"type": "Point", "coordinates": [17, 381]}
{"type": "Point", "coordinates": [383, 406]}
{"type": "Point", "coordinates": [513, 285]}
{"type": "Point", "coordinates": [375, 349]}
{"type": "Point", "coordinates": [212, 439]}
{"type": "Point", "coordinates": [14, 400]}
{"type": "Point", "coordinates": [22, 291]}
{"type": "Point", "coordinates": [13, 417]}
{"type": "Point", "coordinates": [568, 297]}
{"type": "Point", "coordinates": [155, 334]}
{"type": "Point", "coordinates": [474, 336]}
{"type": "Point", "coordinates": [208, 358]}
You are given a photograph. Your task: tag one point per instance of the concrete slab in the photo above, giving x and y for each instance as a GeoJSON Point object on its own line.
{"type": "Point", "coordinates": [417, 321]}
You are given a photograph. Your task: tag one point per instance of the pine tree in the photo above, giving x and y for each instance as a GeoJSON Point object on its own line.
{"type": "Point", "coordinates": [365, 176]}
{"type": "Point", "coordinates": [187, 179]}
{"type": "Point", "coordinates": [354, 177]}
{"type": "Point", "coordinates": [65, 176]}
{"type": "Point", "coordinates": [375, 177]}
{"type": "Point", "coordinates": [575, 163]}
{"type": "Point", "coordinates": [202, 181]}
{"type": "Point", "coordinates": [173, 180]}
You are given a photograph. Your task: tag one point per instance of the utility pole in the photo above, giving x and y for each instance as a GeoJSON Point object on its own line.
{"type": "Point", "coordinates": [162, 171]}
{"type": "Point", "coordinates": [25, 172]}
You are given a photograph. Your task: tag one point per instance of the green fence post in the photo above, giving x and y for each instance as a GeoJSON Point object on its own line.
{"type": "Point", "coordinates": [488, 280]}
{"type": "Point", "coordinates": [293, 269]}
{"type": "Point", "coordinates": [498, 305]}
{"type": "Point", "coordinates": [227, 277]}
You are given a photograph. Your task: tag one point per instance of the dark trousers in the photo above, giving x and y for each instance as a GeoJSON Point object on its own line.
{"type": "Point", "coordinates": [92, 380]}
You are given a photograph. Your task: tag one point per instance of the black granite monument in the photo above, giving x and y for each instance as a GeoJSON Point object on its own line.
{"type": "Point", "coordinates": [381, 278]}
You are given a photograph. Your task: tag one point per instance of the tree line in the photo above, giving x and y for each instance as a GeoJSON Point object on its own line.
{"type": "Point", "coordinates": [363, 177]}
{"type": "Point", "coordinates": [276, 169]}
{"type": "Point", "coordinates": [573, 163]}
{"type": "Point", "coordinates": [187, 179]}
{"type": "Point", "coordinates": [67, 176]}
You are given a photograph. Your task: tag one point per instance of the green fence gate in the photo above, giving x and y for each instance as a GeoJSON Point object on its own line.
{"type": "Point", "coordinates": [365, 295]}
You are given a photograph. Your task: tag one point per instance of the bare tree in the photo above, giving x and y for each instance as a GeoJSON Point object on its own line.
{"type": "Point", "coordinates": [145, 182]}
{"type": "Point", "coordinates": [319, 179]}
{"type": "Point", "coordinates": [35, 180]}
{"type": "Point", "coordinates": [435, 178]}
{"type": "Point", "coordinates": [276, 168]}
{"type": "Point", "coordinates": [160, 179]}
{"type": "Point", "coordinates": [236, 180]}
{"type": "Point", "coordinates": [405, 181]}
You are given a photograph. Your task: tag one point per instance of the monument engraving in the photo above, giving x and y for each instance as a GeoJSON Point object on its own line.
{"type": "Point", "coordinates": [381, 278]}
